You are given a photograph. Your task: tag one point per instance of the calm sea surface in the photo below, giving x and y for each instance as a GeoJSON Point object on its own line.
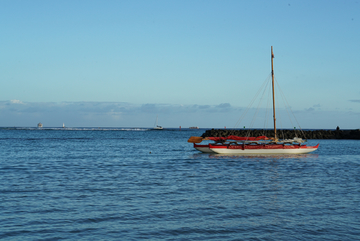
{"type": "Point", "coordinates": [117, 184]}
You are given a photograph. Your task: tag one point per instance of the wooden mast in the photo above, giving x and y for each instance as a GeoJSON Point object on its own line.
{"type": "Point", "coordinates": [273, 90]}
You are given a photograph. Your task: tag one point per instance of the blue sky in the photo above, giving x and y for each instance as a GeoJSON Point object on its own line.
{"type": "Point", "coordinates": [192, 63]}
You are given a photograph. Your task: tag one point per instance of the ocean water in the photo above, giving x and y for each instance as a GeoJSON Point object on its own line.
{"type": "Point", "coordinates": [137, 184]}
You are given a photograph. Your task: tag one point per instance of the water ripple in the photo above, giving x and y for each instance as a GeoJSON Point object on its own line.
{"type": "Point", "coordinates": [115, 185]}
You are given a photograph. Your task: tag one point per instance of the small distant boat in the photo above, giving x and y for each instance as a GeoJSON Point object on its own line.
{"type": "Point", "coordinates": [157, 127]}
{"type": "Point", "coordinates": [63, 125]}
{"type": "Point", "coordinates": [40, 125]}
{"type": "Point", "coordinates": [194, 127]}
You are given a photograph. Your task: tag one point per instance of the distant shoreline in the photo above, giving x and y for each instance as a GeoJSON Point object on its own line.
{"type": "Point", "coordinates": [351, 134]}
{"type": "Point", "coordinates": [287, 134]}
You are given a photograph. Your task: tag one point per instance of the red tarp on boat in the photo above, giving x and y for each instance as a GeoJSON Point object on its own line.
{"type": "Point", "coordinates": [238, 138]}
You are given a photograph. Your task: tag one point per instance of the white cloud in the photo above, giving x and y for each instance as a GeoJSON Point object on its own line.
{"type": "Point", "coordinates": [16, 102]}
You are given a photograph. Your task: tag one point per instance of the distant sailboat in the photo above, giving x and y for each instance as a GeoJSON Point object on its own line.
{"type": "Point", "coordinates": [157, 127]}
{"type": "Point", "coordinates": [63, 125]}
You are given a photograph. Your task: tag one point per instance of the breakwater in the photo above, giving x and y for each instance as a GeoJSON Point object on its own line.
{"type": "Point", "coordinates": [287, 134]}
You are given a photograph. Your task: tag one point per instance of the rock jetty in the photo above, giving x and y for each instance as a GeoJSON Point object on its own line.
{"type": "Point", "coordinates": [287, 134]}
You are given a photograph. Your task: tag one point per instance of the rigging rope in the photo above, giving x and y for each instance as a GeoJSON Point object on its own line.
{"type": "Point", "coordinates": [287, 108]}
{"type": "Point", "coordinates": [258, 106]}
{"type": "Point", "coordinates": [267, 112]}
{"type": "Point", "coordinates": [265, 85]}
{"type": "Point", "coordinates": [251, 103]}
